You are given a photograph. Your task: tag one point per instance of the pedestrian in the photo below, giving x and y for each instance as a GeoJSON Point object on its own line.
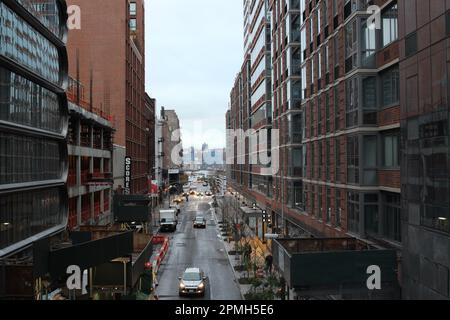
{"type": "Point", "coordinates": [269, 263]}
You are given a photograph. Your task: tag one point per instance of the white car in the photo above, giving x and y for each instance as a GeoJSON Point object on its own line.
{"type": "Point", "coordinates": [193, 282]}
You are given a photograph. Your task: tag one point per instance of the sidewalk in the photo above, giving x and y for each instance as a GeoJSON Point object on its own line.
{"type": "Point", "coordinates": [234, 260]}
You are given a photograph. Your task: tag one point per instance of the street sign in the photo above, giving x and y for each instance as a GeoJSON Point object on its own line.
{"type": "Point", "coordinates": [127, 187]}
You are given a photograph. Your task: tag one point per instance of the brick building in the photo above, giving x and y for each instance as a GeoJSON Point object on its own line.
{"type": "Point", "coordinates": [336, 103]}
{"type": "Point", "coordinates": [363, 116]}
{"type": "Point", "coordinates": [109, 51]}
{"type": "Point", "coordinates": [424, 30]}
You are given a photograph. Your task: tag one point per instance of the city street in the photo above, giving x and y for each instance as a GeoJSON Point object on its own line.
{"type": "Point", "coordinates": [200, 248]}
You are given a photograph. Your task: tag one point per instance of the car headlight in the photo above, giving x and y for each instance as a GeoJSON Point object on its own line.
{"type": "Point", "coordinates": [182, 285]}
{"type": "Point", "coordinates": [201, 286]}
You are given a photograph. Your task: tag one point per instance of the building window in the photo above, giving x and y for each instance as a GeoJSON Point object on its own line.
{"type": "Point", "coordinates": [371, 215]}
{"type": "Point", "coordinates": [26, 103]}
{"type": "Point", "coordinates": [327, 112]}
{"type": "Point", "coordinates": [390, 86]}
{"type": "Point", "coordinates": [436, 217]}
{"type": "Point", "coordinates": [318, 20]}
{"type": "Point", "coordinates": [23, 44]}
{"type": "Point", "coordinates": [353, 159]}
{"type": "Point", "coordinates": [353, 212]}
{"type": "Point", "coordinates": [337, 155]}
{"type": "Point", "coordinates": [391, 151]}
{"type": "Point", "coordinates": [26, 214]}
{"type": "Point", "coordinates": [29, 159]}
{"type": "Point", "coordinates": [352, 102]}
{"type": "Point", "coordinates": [297, 165]}
{"type": "Point", "coordinates": [133, 8]}
{"type": "Point", "coordinates": [328, 206]}
{"type": "Point", "coordinates": [320, 159]}
{"type": "Point", "coordinates": [370, 160]}
{"type": "Point", "coordinates": [390, 25]}
{"type": "Point", "coordinates": [368, 45]}
{"type": "Point", "coordinates": [338, 208]}
{"type": "Point", "coordinates": [319, 116]}
{"type": "Point", "coordinates": [336, 56]}
{"type": "Point", "coordinates": [351, 45]}
{"type": "Point", "coordinates": [328, 160]}
{"type": "Point", "coordinates": [296, 195]}
{"type": "Point", "coordinates": [312, 164]}
{"type": "Point", "coordinates": [319, 203]}
{"type": "Point", "coordinates": [370, 110]}
{"type": "Point", "coordinates": [319, 66]}
{"type": "Point", "coordinates": [392, 224]}
{"type": "Point", "coordinates": [336, 109]}
{"type": "Point", "coordinates": [311, 113]}
{"type": "Point", "coordinates": [133, 24]}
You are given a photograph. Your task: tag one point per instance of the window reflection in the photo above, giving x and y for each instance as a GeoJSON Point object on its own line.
{"type": "Point", "coordinates": [27, 214]}
{"type": "Point", "coordinates": [46, 11]}
{"type": "Point", "coordinates": [23, 44]}
{"type": "Point", "coordinates": [27, 159]}
{"type": "Point", "coordinates": [26, 103]}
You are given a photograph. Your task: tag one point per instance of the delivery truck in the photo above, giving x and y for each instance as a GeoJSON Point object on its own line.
{"type": "Point", "coordinates": [168, 220]}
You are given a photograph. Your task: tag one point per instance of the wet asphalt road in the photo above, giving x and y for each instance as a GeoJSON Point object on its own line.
{"type": "Point", "coordinates": [200, 248]}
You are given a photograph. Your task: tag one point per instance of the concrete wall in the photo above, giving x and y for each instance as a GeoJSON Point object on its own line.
{"type": "Point", "coordinates": [119, 155]}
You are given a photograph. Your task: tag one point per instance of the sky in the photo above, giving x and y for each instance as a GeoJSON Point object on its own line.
{"type": "Point", "coordinates": [194, 50]}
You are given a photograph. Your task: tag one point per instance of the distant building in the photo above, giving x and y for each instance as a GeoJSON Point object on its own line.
{"type": "Point", "coordinates": [172, 151]}
{"type": "Point", "coordinates": [150, 116]}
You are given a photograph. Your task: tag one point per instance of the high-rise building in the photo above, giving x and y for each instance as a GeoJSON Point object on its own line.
{"type": "Point", "coordinates": [335, 94]}
{"type": "Point", "coordinates": [33, 130]}
{"type": "Point", "coordinates": [424, 30]}
{"type": "Point", "coordinates": [109, 51]}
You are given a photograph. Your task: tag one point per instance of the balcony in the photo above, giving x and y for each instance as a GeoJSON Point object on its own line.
{"type": "Point", "coordinates": [100, 177]}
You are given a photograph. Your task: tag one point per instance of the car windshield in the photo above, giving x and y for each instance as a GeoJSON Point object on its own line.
{"type": "Point", "coordinates": [199, 218]}
{"type": "Point", "coordinates": [191, 276]}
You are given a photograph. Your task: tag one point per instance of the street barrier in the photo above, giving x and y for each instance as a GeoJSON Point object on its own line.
{"type": "Point", "coordinates": [162, 252]}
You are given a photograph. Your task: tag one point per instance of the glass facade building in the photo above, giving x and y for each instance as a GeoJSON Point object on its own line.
{"type": "Point", "coordinates": [33, 122]}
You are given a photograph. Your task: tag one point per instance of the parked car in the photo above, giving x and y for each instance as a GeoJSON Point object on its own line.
{"type": "Point", "coordinates": [193, 282]}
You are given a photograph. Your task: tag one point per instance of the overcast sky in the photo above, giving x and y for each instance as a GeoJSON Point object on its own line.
{"type": "Point", "coordinates": [194, 51]}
